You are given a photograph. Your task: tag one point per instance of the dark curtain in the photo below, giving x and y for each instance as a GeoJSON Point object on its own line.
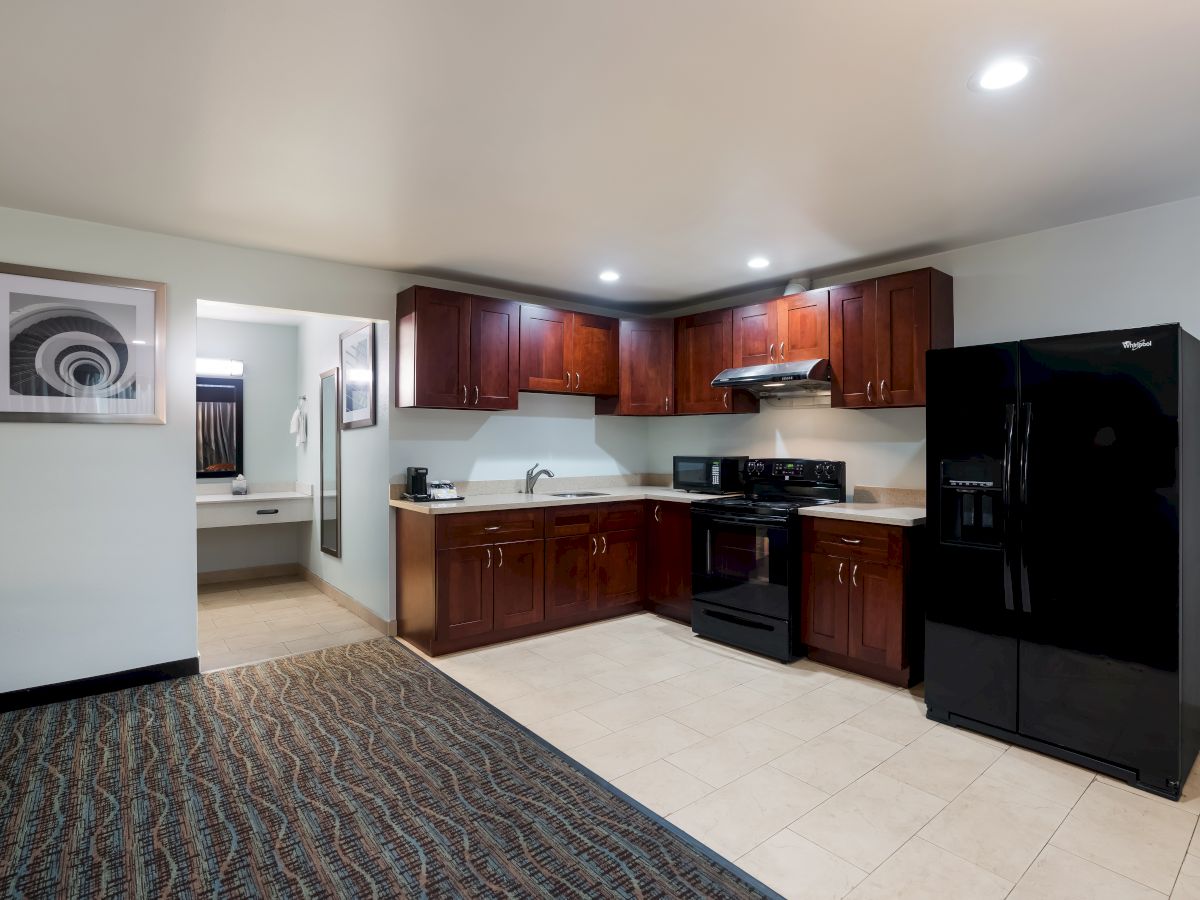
{"type": "Point", "coordinates": [216, 437]}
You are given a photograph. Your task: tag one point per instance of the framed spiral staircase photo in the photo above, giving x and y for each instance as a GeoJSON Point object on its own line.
{"type": "Point", "coordinates": [76, 347]}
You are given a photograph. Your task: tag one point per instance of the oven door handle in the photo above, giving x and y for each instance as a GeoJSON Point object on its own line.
{"type": "Point", "coordinates": [748, 520]}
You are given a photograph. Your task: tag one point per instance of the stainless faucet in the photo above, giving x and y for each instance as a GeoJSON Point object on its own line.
{"type": "Point", "coordinates": [532, 476]}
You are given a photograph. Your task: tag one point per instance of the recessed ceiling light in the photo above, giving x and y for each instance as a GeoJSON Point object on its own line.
{"type": "Point", "coordinates": [758, 262]}
{"type": "Point", "coordinates": [610, 275]}
{"type": "Point", "coordinates": [1002, 73]}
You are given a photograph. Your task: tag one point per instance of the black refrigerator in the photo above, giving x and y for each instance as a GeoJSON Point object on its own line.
{"type": "Point", "coordinates": [1064, 605]}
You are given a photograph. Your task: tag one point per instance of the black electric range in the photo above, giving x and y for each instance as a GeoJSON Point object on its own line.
{"type": "Point", "coordinates": [746, 576]}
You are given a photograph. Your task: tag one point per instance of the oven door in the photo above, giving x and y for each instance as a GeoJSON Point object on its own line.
{"type": "Point", "coordinates": [741, 562]}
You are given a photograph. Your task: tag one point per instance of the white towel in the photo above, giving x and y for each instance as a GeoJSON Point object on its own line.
{"type": "Point", "coordinates": [299, 426]}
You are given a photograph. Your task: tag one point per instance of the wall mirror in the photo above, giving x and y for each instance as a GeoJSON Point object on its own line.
{"type": "Point", "coordinates": [218, 427]}
{"type": "Point", "coordinates": [331, 465]}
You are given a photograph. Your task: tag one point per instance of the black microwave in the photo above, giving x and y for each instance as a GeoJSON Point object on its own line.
{"type": "Point", "coordinates": [709, 474]}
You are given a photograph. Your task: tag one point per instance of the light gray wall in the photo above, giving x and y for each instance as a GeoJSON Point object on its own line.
{"type": "Point", "coordinates": [1137, 268]}
{"type": "Point", "coordinates": [98, 536]}
{"type": "Point", "coordinates": [269, 391]}
{"type": "Point", "coordinates": [364, 569]}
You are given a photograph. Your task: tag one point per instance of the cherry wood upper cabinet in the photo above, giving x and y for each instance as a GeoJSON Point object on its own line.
{"type": "Point", "coordinates": [703, 349]}
{"type": "Point", "coordinates": [647, 383]}
{"type": "Point", "coordinates": [879, 332]}
{"type": "Point", "coordinates": [568, 353]}
{"type": "Point", "coordinates": [804, 326]}
{"type": "Point", "coordinates": [756, 334]}
{"type": "Point", "coordinates": [852, 354]}
{"type": "Point", "coordinates": [456, 351]}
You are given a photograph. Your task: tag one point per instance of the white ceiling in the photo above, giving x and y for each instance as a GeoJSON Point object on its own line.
{"type": "Point", "coordinates": [534, 142]}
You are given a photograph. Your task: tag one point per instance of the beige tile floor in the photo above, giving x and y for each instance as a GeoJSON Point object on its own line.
{"type": "Point", "coordinates": [824, 784]}
{"type": "Point", "coordinates": [249, 621]}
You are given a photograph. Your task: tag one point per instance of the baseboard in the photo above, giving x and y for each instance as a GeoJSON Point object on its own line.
{"type": "Point", "coordinates": [223, 575]}
{"type": "Point", "coordinates": [347, 602]}
{"type": "Point", "coordinates": [99, 684]}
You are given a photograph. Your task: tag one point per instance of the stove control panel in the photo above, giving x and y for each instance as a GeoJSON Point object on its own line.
{"type": "Point", "coordinates": [785, 470]}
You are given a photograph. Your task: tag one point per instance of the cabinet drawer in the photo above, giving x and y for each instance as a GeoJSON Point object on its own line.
{"type": "Point", "coordinates": [619, 516]}
{"type": "Point", "coordinates": [228, 513]}
{"type": "Point", "coordinates": [866, 541]}
{"type": "Point", "coordinates": [565, 521]}
{"type": "Point", "coordinates": [468, 529]}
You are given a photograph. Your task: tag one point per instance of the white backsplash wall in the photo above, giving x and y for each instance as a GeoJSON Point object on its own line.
{"type": "Point", "coordinates": [364, 569]}
{"type": "Point", "coordinates": [883, 447]}
{"type": "Point", "coordinates": [560, 432]}
{"type": "Point", "coordinates": [268, 388]}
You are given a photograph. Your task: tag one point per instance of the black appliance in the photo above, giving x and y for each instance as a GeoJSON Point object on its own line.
{"type": "Point", "coordinates": [708, 474]}
{"type": "Point", "coordinates": [418, 483]}
{"type": "Point", "coordinates": [745, 578]}
{"type": "Point", "coordinates": [1063, 611]}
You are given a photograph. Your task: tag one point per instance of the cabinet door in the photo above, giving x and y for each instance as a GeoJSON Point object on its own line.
{"type": "Point", "coordinates": [594, 341]}
{"type": "Point", "coordinates": [518, 584]}
{"type": "Point", "coordinates": [852, 353]}
{"type": "Point", "coordinates": [568, 575]}
{"type": "Point", "coordinates": [616, 575]}
{"type": "Point", "coordinates": [495, 360]}
{"type": "Point", "coordinates": [545, 337]}
{"type": "Point", "coordinates": [804, 326]}
{"type": "Point", "coordinates": [442, 347]}
{"type": "Point", "coordinates": [703, 348]}
{"type": "Point", "coordinates": [877, 613]}
{"type": "Point", "coordinates": [669, 558]}
{"type": "Point", "coordinates": [756, 335]}
{"type": "Point", "coordinates": [464, 592]}
{"type": "Point", "coordinates": [826, 597]}
{"type": "Point", "coordinates": [902, 337]}
{"type": "Point", "coordinates": [647, 383]}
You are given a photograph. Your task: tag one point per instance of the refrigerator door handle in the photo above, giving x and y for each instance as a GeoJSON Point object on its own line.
{"type": "Point", "coordinates": [1026, 600]}
{"type": "Point", "coordinates": [1010, 437]}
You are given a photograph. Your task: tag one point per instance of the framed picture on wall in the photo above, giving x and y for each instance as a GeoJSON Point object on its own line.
{"type": "Point", "coordinates": [358, 376]}
{"type": "Point", "coordinates": [81, 348]}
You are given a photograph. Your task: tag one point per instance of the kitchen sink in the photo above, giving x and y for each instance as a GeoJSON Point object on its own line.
{"type": "Point", "coordinates": [568, 495]}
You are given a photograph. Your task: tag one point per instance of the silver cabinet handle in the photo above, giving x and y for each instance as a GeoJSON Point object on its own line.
{"type": "Point", "coordinates": [667, 403]}
{"type": "Point", "coordinates": [500, 550]}
{"type": "Point", "coordinates": [783, 351]}
{"type": "Point", "coordinates": [567, 378]}
{"type": "Point", "coordinates": [594, 546]}
{"type": "Point", "coordinates": [771, 353]}
{"type": "Point", "coordinates": [841, 568]}
{"type": "Point", "coordinates": [476, 395]}
{"type": "Point", "coordinates": [846, 540]}
{"type": "Point", "coordinates": [869, 398]}
{"type": "Point", "coordinates": [725, 398]}
{"type": "Point", "coordinates": [489, 553]}
{"type": "Point", "coordinates": [657, 510]}
{"type": "Point", "coordinates": [464, 395]}
{"type": "Point", "coordinates": [603, 545]}
{"type": "Point", "coordinates": [491, 528]}
{"type": "Point", "coordinates": [577, 380]}
{"type": "Point", "coordinates": [883, 391]}
{"type": "Point", "coordinates": [854, 575]}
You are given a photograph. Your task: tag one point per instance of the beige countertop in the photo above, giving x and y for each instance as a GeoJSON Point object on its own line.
{"type": "Point", "coordinates": [485, 502]}
{"type": "Point", "coordinates": [878, 513]}
{"type": "Point", "coordinates": [874, 513]}
{"type": "Point", "coordinates": [252, 497]}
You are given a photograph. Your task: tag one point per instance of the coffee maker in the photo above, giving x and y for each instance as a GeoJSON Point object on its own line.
{"type": "Point", "coordinates": [418, 483]}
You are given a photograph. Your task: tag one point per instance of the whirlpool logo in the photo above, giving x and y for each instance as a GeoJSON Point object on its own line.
{"type": "Point", "coordinates": [1137, 345]}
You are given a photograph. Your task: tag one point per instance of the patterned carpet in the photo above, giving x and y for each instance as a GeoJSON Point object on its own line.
{"type": "Point", "coordinates": [358, 771]}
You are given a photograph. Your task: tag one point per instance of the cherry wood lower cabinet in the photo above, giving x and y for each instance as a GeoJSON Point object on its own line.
{"type": "Point", "coordinates": [860, 604]}
{"type": "Point", "coordinates": [468, 579]}
{"type": "Point", "coordinates": [669, 559]}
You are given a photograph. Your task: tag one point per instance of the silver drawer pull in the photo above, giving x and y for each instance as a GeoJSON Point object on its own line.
{"type": "Point", "coordinates": [846, 540]}
{"type": "Point", "coordinates": [268, 512]}
{"type": "Point", "coordinates": [492, 528]}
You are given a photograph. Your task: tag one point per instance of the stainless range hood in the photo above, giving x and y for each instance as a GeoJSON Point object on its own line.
{"type": "Point", "coordinates": [778, 379]}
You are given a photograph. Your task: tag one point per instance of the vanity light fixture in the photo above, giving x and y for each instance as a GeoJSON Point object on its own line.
{"type": "Point", "coordinates": [219, 368]}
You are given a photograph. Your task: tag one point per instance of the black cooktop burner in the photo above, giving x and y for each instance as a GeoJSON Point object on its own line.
{"type": "Point", "coordinates": [776, 488]}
